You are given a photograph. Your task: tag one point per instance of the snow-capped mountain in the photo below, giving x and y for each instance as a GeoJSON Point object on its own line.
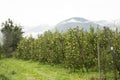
{"type": "Point", "coordinates": [74, 22]}
{"type": "Point", "coordinates": [85, 24]}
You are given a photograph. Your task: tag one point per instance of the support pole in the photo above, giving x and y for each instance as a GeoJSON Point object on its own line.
{"type": "Point", "coordinates": [98, 49]}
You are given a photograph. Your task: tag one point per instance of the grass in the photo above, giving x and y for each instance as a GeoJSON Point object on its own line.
{"type": "Point", "coordinates": [14, 69]}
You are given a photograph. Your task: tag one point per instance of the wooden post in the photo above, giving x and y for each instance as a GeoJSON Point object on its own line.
{"type": "Point", "coordinates": [116, 67]}
{"type": "Point", "coordinates": [98, 49]}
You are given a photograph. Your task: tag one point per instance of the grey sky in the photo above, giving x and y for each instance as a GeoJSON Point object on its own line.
{"type": "Point", "coordinates": [36, 12]}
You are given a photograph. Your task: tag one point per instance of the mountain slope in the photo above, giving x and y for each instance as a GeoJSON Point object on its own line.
{"type": "Point", "coordinates": [74, 22]}
{"type": "Point", "coordinates": [64, 25]}
{"type": "Point", "coordinates": [113, 24]}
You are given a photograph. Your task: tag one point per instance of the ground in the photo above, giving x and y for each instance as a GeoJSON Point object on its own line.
{"type": "Point", "coordinates": [15, 69]}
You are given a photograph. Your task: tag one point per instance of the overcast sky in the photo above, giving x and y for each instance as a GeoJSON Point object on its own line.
{"type": "Point", "coordinates": [51, 12]}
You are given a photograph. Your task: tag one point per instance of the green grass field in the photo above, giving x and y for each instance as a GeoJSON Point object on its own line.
{"type": "Point", "coordinates": [14, 69]}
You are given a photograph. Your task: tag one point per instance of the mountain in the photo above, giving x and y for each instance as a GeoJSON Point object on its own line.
{"type": "Point", "coordinates": [34, 31]}
{"type": "Point", "coordinates": [112, 24]}
{"type": "Point", "coordinates": [63, 26]}
{"type": "Point", "coordinates": [73, 22]}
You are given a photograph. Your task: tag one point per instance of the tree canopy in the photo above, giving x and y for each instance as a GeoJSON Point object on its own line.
{"type": "Point", "coordinates": [12, 34]}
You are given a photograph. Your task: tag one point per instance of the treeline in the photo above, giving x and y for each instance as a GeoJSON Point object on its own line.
{"type": "Point", "coordinates": [75, 49]}
{"type": "Point", "coordinates": [10, 38]}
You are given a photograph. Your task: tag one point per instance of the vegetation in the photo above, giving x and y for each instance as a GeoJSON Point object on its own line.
{"type": "Point", "coordinates": [14, 69]}
{"type": "Point", "coordinates": [76, 50]}
{"type": "Point", "coordinates": [1, 51]}
{"type": "Point", "coordinates": [11, 36]}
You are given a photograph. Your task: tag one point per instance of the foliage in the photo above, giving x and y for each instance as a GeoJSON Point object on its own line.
{"type": "Point", "coordinates": [11, 36]}
{"type": "Point", "coordinates": [75, 49]}
{"type": "Point", "coordinates": [1, 51]}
